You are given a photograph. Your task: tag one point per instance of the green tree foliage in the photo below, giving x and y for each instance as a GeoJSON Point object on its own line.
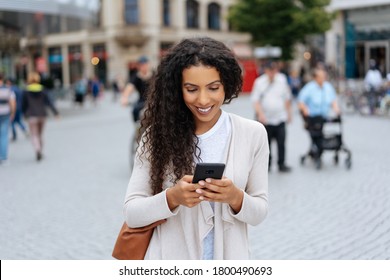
{"type": "Point", "coordinates": [280, 22]}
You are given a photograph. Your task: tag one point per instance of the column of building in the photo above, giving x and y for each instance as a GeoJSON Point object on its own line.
{"type": "Point", "coordinates": [203, 22]}
{"type": "Point", "coordinates": [86, 50]}
{"type": "Point", "coordinates": [223, 18]}
{"type": "Point", "coordinates": [151, 18]}
{"type": "Point", "coordinates": [65, 64]}
{"type": "Point", "coordinates": [179, 17]}
{"type": "Point", "coordinates": [112, 21]}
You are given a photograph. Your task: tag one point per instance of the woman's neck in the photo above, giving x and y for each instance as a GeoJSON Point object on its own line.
{"type": "Point", "coordinates": [203, 127]}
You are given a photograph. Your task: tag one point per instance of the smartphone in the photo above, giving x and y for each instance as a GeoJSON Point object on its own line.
{"type": "Point", "coordinates": [208, 170]}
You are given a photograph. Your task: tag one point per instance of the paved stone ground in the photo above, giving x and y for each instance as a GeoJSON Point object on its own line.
{"type": "Point", "coordinates": [69, 206]}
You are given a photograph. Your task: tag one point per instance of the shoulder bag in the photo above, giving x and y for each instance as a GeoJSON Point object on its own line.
{"type": "Point", "coordinates": [132, 243]}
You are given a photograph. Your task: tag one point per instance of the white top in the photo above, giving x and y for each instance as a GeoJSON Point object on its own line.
{"type": "Point", "coordinates": [213, 145]}
{"type": "Point", "coordinates": [373, 79]}
{"type": "Point", "coordinates": [213, 142]}
{"type": "Point", "coordinates": [272, 97]}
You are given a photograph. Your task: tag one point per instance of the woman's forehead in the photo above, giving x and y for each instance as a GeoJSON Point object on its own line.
{"type": "Point", "coordinates": [200, 75]}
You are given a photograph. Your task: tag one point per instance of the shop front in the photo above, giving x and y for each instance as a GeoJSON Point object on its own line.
{"type": "Point", "coordinates": [367, 36]}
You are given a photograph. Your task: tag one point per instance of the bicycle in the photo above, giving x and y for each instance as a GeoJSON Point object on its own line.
{"type": "Point", "coordinates": [354, 99]}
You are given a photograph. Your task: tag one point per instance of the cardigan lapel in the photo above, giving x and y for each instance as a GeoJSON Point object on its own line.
{"type": "Point", "coordinates": [229, 172]}
{"type": "Point", "coordinates": [206, 219]}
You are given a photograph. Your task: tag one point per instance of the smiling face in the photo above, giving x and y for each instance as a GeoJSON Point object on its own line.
{"type": "Point", "coordinates": [203, 94]}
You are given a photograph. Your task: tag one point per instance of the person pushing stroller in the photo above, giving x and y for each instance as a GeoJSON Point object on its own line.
{"type": "Point", "coordinates": [315, 101]}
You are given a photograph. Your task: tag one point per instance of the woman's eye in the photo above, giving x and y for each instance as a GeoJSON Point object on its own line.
{"type": "Point", "coordinates": [214, 88]}
{"type": "Point", "coordinates": [191, 89]}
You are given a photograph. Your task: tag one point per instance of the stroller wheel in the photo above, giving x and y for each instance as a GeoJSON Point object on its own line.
{"type": "Point", "coordinates": [303, 160]}
{"type": "Point", "coordinates": [348, 163]}
{"type": "Point", "coordinates": [336, 159]}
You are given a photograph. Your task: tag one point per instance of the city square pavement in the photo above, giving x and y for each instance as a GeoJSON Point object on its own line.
{"type": "Point", "coordinates": [69, 206]}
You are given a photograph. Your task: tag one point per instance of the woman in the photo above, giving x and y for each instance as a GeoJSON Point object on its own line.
{"type": "Point", "coordinates": [35, 100]}
{"type": "Point", "coordinates": [184, 125]}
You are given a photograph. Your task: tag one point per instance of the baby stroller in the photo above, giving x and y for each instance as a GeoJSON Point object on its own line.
{"type": "Point", "coordinates": [323, 141]}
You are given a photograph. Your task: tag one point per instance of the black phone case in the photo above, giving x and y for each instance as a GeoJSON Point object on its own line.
{"type": "Point", "coordinates": [208, 170]}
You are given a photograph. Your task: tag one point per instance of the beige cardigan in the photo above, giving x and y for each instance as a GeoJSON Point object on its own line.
{"type": "Point", "coordinates": [181, 237]}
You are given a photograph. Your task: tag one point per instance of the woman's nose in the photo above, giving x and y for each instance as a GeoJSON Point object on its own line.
{"type": "Point", "coordinates": [203, 98]}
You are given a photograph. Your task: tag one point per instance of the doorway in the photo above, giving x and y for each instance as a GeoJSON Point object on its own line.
{"type": "Point", "coordinates": [378, 51]}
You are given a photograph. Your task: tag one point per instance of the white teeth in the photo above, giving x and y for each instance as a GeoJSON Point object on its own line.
{"type": "Point", "coordinates": [204, 110]}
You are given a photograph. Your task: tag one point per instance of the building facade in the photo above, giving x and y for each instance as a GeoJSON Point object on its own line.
{"type": "Point", "coordinates": [360, 32]}
{"type": "Point", "coordinates": [25, 26]}
{"type": "Point", "coordinates": [131, 28]}
{"type": "Point", "coordinates": [106, 41]}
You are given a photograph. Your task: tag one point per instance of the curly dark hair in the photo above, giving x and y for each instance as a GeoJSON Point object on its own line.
{"type": "Point", "coordinates": [169, 141]}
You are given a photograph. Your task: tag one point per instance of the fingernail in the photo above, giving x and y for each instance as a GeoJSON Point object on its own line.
{"type": "Point", "coordinates": [201, 183]}
{"type": "Point", "coordinates": [208, 180]}
{"type": "Point", "coordinates": [201, 197]}
{"type": "Point", "coordinates": [199, 191]}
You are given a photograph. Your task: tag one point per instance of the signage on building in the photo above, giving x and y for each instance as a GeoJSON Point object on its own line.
{"type": "Point", "coordinates": [55, 58]}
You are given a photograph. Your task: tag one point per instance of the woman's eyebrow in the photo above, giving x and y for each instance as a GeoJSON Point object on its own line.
{"type": "Point", "coordinates": [215, 82]}
{"type": "Point", "coordinates": [190, 84]}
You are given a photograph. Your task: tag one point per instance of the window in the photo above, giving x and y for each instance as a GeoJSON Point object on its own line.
{"type": "Point", "coordinates": [214, 14]}
{"type": "Point", "coordinates": [166, 13]}
{"type": "Point", "coordinates": [131, 11]}
{"type": "Point", "coordinates": [73, 24]}
{"type": "Point", "coordinates": [53, 24]}
{"type": "Point", "coordinates": [55, 62]}
{"type": "Point", "coordinates": [192, 8]}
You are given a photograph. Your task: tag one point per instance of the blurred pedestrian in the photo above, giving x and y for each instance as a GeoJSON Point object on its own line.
{"type": "Point", "coordinates": [18, 118]}
{"type": "Point", "coordinates": [315, 101]}
{"type": "Point", "coordinates": [139, 83]}
{"type": "Point", "coordinates": [80, 90]}
{"type": "Point", "coordinates": [373, 78]}
{"type": "Point", "coordinates": [96, 89]}
{"type": "Point", "coordinates": [184, 125]}
{"type": "Point", "coordinates": [318, 96]}
{"type": "Point", "coordinates": [271, 97]}
{"type": "Point", "coordinates": [7, 112]}
{"type": "Point", "coordinates": [294, 82]}
{"type": "Point", "coordinates": [373, 82]}
{"type": "Point", "coordinates": [34, 103]}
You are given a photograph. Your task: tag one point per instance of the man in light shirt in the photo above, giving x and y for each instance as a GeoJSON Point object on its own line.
{"type": "Point", "coordinates": [373, 82]}
{"type": "Point", "coordinates": [271, 97]}
{"type": "Point", "coordinates": [373, 79]}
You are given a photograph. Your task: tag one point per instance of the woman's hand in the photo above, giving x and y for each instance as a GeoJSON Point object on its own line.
{"type": "Point", "coordinates": [183, 193]}
{"type": "Point", "coordinates": [221, 191]}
